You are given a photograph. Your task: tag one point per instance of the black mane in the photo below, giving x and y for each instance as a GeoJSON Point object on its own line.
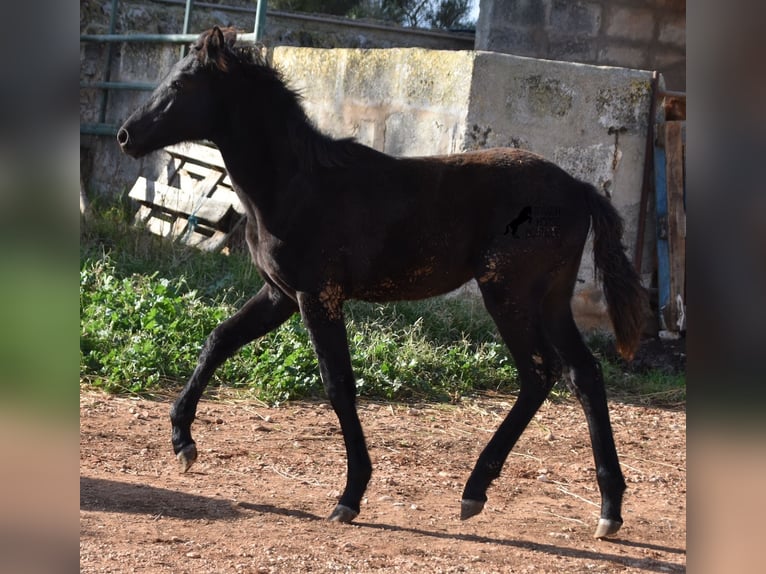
{"type": "Point", "coordinates": [311, 146]}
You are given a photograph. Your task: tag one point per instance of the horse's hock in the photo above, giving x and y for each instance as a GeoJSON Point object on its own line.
{"type": "Point", "coordinates": [591, 120]}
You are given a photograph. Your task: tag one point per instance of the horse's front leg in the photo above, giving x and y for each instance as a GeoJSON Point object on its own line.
{"type": "Point", "coordinates": [323, 318]}
{"type": "Point", "coordinates": [264, 312]}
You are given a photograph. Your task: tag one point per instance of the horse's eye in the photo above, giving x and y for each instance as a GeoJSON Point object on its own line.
{"type": "Point", "coordinates": [176, 84]}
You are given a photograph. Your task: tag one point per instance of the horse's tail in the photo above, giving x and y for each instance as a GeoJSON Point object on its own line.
{"type": "Point", "coordinates": [625, 298]}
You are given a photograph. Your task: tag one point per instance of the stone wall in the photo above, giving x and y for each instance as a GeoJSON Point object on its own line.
{"type": "Point", "coordinates": [641, 34]}
{"type": "Point", "coordinates": [591, 120]}
{"type": "Point", "coordinates": [401, 101]}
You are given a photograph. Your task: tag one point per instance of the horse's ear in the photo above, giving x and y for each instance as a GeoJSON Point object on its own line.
{"type": "Point", "coordinates": [230, 37]}
{"type": "Point", "coordinates": [215, 48]}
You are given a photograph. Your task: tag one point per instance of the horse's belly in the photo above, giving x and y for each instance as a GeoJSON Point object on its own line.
{"type": "Point", "coordinates": [419, 283]}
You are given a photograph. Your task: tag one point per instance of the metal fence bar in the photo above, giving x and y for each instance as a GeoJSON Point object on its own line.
{"type": "Point", "coordinates": [151, 38]}
{"type": "Point", "coordinates": [139, 86]}
{"type": "Point", "coordinates": [187, 18]}
{"type": "Point", "coordinates": [99, 129]}
{"type": "Point", "coordinates": [328, 19]}
{"type": "Point", "coordinates": [260, 19]}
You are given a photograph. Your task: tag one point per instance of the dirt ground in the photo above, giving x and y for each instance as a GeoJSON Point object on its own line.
{"type": "Point", "coordinates": [267, 477]}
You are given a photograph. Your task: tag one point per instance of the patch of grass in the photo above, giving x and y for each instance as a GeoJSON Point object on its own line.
{"type": "Point", "coordinates": [654, 387]}
{"type": "Point", "coordinates": [147, 305]}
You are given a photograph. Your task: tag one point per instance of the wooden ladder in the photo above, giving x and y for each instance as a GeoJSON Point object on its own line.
{"type": "Point", "coordinates": [192, 201]}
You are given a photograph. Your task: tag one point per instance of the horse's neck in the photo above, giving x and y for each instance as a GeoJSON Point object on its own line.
{"type": "Point", "coordinates": [262, 156]}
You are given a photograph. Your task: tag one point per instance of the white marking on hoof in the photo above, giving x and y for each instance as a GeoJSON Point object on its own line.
{"type": "Point", "coordinates": [607, 528]}
{"type": "Point", "coordinates": [343, 514]}
{"type": "Point", "coordinates": [187, 455]}
{"type": "Point", "coordinates": [469, 508]}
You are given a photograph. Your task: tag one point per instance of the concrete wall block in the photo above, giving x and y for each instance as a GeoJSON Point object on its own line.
{"type": "Point", "coordinates": [630, 23]}
{"type": "Point", "coordinates": [367, 76]}
{"type": "Point", "coordinates": [542, 97]}
{"type": "Point", "coordinates": [670, 5]}
{"type": "Point", "coordinates": [672, 62]}
{"type": "Point", "coordinates": [673, 30]}
{"type": "Point", "coordinates": [616, 53]}
{"type": "Point", "coordinates": [322, 72]}
{"type": "Point", "coordinates": [572, 49]}
{"type": "Point", "coordinates": [594, 163]}
{"type": "Point", "coordinates": [422, 132]}
{"type": "Point", "coordinates": [401, 100]}
{"type": "Point", "coordinates": [621, 108]}
{"type": "Point", "coordinates": [516, 40]}
{"type": "Point", "coordinates": [435, 79]}
{"type": "Point", "coordinates": [522, 12]}
{"type": "Point", "coordinates": [582, 19]}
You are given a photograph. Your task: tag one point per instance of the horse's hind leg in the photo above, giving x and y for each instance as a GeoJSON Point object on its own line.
{"type": "Point", "coordinates": [538, 368]}
{"type": "Point", "coordinates": [588, 385]}
{"type": "Point", "coordinates": [264, 312]}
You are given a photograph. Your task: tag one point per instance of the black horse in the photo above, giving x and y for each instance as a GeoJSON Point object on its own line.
{"type": "Point", "coordinates": [330, 220]}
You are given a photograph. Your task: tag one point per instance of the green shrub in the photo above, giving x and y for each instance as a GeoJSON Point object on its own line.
{"type": "Point", "coordinates": [147, 305]}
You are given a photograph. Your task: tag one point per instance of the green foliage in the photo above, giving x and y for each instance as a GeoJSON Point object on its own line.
{"type": "Point", "coordinates": [147, 305]}
{"type": "Point", "coordinates": [653, 387]}
{"type": "Point", "coordinates": [339, 7]}
{"type": "Point", "coordinates": [441, 14]}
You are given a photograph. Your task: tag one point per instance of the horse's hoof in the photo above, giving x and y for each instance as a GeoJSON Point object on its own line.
{"type": "Point", "coordinates": [607, 527]}
{"type": "Point", "coordinates": [469, 508]}
{"type": "Point", "coordinates": [187, 455]}
{"type": "Point", "coordinates": [343, 514]}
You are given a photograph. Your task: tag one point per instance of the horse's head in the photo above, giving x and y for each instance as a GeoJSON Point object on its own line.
{"type": "Point", "coordinates": [185, 105]}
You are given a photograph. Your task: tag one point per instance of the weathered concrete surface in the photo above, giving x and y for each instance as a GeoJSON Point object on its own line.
{"type": "Point", "coordinates": [401, 101]}
{"type": "Point", "coordinates": [641, 34]}
{"type": "Point", "coordinates": [591, 120]}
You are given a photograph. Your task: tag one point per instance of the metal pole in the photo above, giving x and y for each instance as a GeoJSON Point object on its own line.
{"type": "Point", "coordinates": [145, 38]}
{"type": "Point", "coordinates": [187, 17]}
{"type": "Point", "coordinates": [108, 67]}
{"type": "Point", "coordinates": [260, 19]}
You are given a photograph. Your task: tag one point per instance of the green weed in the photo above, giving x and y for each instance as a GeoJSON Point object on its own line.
{"type": "Point", "coordinates": [147, 305]}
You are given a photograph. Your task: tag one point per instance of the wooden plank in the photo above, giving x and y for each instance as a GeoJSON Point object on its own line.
{"type": "Point", "coordinates": [179, 202]}
{"type": "Point", "coordinates": [170, 171]}
{"type": "Point", "coordinates": [205, 187]}
{"type": "Point", "coordinates": [215, 242]}
{"type": "Point", "coordinates": [203, 171]}
{"type": "Point", "coordinates": [195, 236]}
{"type": "Point", "coordinates": [160, 226]}
{"type": "Point", "coordinates": [184, 180]}
{"type": "Point", "coordinates": [226, 195]}
{"type": "Point", "coordinates": [674, 157]}
{"type": "Point", "coordinates": [199, 153]}
{"type": "Point", "coordinates": [165, 196]}
{"type": "Point", "coordinates": [192, 200]}
{"type": "Point", "coordinates": [205, 239]}
{"type": "Point", "coordinates": [144, 212]}
{"type": "Point", "coordinates": [661, 207]}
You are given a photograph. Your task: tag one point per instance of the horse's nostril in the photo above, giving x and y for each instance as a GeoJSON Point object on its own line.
{"type": "Point", "coordinates": [122, 136]}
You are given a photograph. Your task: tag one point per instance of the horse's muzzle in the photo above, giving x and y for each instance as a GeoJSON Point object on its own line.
{"type": "Point", "coordinates": [128, 145]}
{"type": "Point", "coordinates": [123, 138]}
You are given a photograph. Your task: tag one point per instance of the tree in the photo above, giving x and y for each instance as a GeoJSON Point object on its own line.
{"type": "Point", "coordinates": [449, 14]}
{"type": "Point", "coordinates": [337, 7]}
{"type": "Point", "coordinates": [444, 14]}
{"type": "Point", "coordinates": [441, 14]}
